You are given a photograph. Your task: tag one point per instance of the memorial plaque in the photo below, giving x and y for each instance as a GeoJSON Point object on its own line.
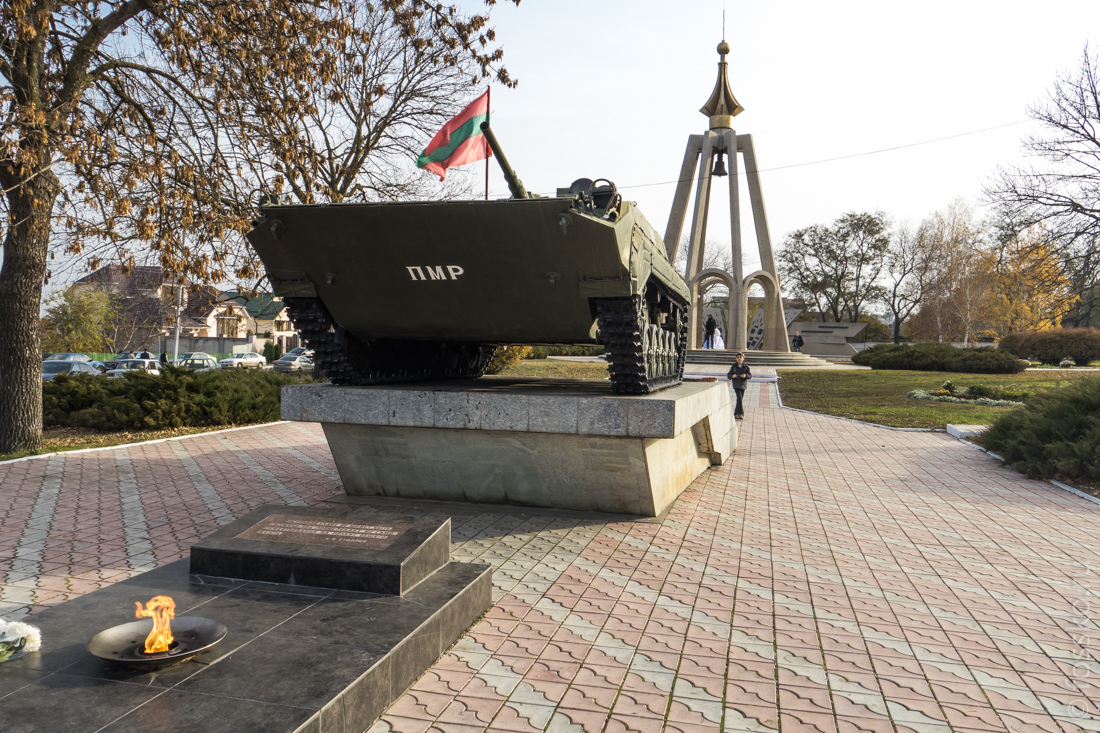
{"type": "Point", "coordinates": [313, 530]}
{"type": "Point", "coordinates": [323, 548]}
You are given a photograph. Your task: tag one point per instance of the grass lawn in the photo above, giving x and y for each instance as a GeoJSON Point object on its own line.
{"type": "Point", "coordinates": [557, 369]}
{"type": "Point", "coordinates": [878, 396]}
{"type": "Point", "coordinates": [64, 439]}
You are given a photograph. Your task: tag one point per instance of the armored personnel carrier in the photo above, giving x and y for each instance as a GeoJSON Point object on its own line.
{"type": "Point", "coordinates": [394, 292]}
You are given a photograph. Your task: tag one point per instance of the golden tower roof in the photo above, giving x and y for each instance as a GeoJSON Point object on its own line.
{"type": "Point", "coordinates": [722, 106]}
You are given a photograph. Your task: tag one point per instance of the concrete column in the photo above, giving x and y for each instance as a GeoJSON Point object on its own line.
{"type": "Point", "coordinates": [697, 240]}
{"type": "Point", "coordinates": [678, 213]}
{"type": "Point", "coordinates": [737, 338]}
{"type": "Point", "coordinates": [764, 241]}
{"type": "Point", "coordinates": [698, 237]}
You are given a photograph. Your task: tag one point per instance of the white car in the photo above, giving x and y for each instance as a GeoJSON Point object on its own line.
{"type": "Point", "coordinates": [240, 361]}
{"type": "Point", "coordinates": [149, 366]}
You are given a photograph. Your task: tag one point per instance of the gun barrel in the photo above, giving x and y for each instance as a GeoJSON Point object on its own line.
{"type": "Point", "coordinates": [514, 184]}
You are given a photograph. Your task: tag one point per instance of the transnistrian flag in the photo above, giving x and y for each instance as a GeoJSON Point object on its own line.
{"type": "Point", "coordinates": [460, 141]}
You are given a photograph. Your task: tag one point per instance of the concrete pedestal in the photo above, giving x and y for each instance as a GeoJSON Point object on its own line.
{"type": "Point", "coordinates": [564, 444]}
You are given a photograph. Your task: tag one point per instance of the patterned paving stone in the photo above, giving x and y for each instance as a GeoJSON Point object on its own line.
{"type": "Point", "coordinates": [832, 576]}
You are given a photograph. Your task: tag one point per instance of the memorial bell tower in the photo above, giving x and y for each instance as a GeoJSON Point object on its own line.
{"type": "Point", "coordinates": [711, 149]}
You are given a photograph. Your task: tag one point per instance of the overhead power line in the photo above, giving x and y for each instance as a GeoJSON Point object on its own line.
{"type": "Point", "coordinates": [852, 155]}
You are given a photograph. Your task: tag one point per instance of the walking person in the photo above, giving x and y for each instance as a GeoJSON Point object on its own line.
{"type": "Point", "coordinates": [708, 329]}
{"type": "Point", "coordinates": [797, 342]}
{"type": "Point", "coordinates": [739, 375]}
{"type": "Point", "coordinates": [164, 358]}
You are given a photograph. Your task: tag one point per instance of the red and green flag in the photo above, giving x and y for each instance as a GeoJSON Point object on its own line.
{"type": "Point", "coordinates": [460, 141]}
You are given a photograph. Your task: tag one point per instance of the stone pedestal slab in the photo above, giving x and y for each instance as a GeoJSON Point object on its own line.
{"type": "Point", "coordinates": [297, 658]}
{"type": "Point", "coordinates": [310, 546]}
{"type": "Point", "coordinates": [564, 444]}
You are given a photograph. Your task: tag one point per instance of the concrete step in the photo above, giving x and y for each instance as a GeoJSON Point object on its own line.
{"type": "Point", "coordinates": [780, 359]}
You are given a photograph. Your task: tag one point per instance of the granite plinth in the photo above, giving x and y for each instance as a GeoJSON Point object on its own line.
{"type": "Point", "coordinates": [296, 659]}
{"type": "Point", "coordinates": [325, 548]}
{"type": "Point", "coordinates": [563, 444]}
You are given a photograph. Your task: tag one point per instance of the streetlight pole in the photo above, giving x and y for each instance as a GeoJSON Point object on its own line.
{"type": "Point", "coordinates": [179, 306]}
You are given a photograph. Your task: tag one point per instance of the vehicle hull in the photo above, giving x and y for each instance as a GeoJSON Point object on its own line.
{"type": "Point", "coordinates": [488, 272]}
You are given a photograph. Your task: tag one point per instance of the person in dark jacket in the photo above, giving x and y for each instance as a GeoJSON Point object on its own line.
{"type": "Point", "coordinates": [740, 375]}
{"type": "Point", "coordinates": [164, 358]}
{"type": "Point", "coordinates": [708, 330]}
{"type": "Point", "coordinates": [798, 342]}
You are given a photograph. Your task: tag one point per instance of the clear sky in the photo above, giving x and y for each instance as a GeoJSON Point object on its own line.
{"type": "Point", "coordinates": [611, 89]}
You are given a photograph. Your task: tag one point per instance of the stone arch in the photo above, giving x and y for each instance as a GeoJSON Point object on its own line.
{"type": "Point", "coordinates": [775, 321]}
{"type": "Point", "coordinates": [696, 313]}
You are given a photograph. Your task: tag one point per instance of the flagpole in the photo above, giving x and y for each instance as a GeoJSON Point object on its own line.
{"type": "Point", "coordinates": [488, 108]}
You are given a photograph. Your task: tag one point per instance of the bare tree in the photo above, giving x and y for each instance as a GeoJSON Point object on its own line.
{"type": "Point", "coordinates": [908, 274]}
{"type": "Point", "coordinates": [1063, 192]}
{"type": "Point", "coordinates": [115, 129]}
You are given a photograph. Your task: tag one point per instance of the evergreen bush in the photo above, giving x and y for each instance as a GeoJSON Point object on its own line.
{"type": "Point", "coordinates": [507, 357]}
{"type": "Point", "coordinates": [1054, 435]}
{"type": "Point", "coordinates": [541, 352]}
{"type": "Point", "coordinates": [177, 398]}
{"type": "Point", "coordinates": [1051, 346]}
{"type": "Point", "coordinates": [936, 357]}
{"type": "Point", "coordinates": [272, 351]}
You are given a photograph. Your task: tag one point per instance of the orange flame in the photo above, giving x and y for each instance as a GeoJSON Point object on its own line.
{"type": "Point", "coordinates": [160, 609]}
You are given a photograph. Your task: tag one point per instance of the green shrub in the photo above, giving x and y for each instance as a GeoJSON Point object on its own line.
{"type": "Point", "coordinates": [999, 392]}
{"type": "Point", "coordinates": [177, 398]}
{"type": "Point", "coordinates": [541, 352]}
{"type": "Point", "coordinates": [272, 351]}
{"type": "Point", "coordinates": [507, 357]}
{"type": "Point", "coordinates": [1051, 346]}
{"type": "Point", "coordinates": [1054, 435]}
{"type": "Point", "coordinates": [935, 357]}
{"type": "Point", "coordinates": [1015, 343]}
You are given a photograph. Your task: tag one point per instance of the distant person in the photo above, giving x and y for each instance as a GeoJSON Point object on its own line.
{"type": "Point", "coordinates": [739, 375]}
{"type": "Point", "coordinates": [708, 329]}
{"type": "Point", "coordinates": [145, 354]}
{"type": "Point", "coordinates": [797, 341]}
{"type": "Point", "coordinates": [164, 358]}
{"type": "Point", "coordinates": [718, 342]}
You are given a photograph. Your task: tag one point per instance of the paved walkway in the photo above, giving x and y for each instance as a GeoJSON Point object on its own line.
{"type": "Point", "coordinates": [831, 576]}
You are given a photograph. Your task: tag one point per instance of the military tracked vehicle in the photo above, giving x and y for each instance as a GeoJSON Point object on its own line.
{"type": "Point", "coordinates": [394, 292]}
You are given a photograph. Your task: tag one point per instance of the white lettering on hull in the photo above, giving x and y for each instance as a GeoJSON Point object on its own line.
{"type": "Point", "coordinates": [435, 272]}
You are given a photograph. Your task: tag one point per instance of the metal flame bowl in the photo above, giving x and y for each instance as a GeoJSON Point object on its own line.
{"type": "Point", "coordinates": [125, 644]}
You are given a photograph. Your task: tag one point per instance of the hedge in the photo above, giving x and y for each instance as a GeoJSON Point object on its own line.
{"type": "Point", "coordinates": [177, 398]}
{"type": "Point", "coordinates": [935, 357]}
{"type": "Point", "coordinates": [541, 352]}
{"type": "Point", "coordinates": [1054, 435]}
{"type": "Point", "coordinates": [1051, 346]}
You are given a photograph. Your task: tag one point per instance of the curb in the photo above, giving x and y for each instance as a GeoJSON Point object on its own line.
{"type": "Point", "coordinates": [849, 419]}
{"type": "Point", "coordinates": [144, 442]}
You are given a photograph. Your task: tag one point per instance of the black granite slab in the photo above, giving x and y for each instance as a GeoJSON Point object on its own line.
{"type": "Point", "coordinates": [423, 547]}
{"type": "Point", "coordinates": [296, 658]}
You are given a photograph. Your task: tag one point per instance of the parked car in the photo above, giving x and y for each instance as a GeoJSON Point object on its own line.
{"type": "Point", "coordinates": [52, 367]}
{"type": "Point", "coordinates": [149, 366]}
{"type": "Point", "coordinates": [300, 351]}
{"type": "Point", "coordinates": [289, 363]}
{"type": "Point", "coordinates": [70, 356]}
{"type": "Point", "coordinates": [119, 357]}
{"type": "Point", "coordinates": [198, 363]}
{"type": "Point", "coordinates": [240, 361]}
{"type": "Point", "coordinates": [180, 358]}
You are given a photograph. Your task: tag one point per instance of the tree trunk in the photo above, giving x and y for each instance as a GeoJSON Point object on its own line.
{"type": "Point", "coordinates": [21, 277]}
{"type": "Point", "coordinates": [897, 329]}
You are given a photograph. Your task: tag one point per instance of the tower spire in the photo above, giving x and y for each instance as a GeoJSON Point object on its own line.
{"type": "Point", "coordinates": [722, 106]}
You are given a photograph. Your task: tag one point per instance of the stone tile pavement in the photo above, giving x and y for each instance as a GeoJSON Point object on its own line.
{"type": "Point", "coordinates": [832, 576]}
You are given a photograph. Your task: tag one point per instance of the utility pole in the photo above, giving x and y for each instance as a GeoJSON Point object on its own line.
{"type": "Point", "coordinates": [179, 307]}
